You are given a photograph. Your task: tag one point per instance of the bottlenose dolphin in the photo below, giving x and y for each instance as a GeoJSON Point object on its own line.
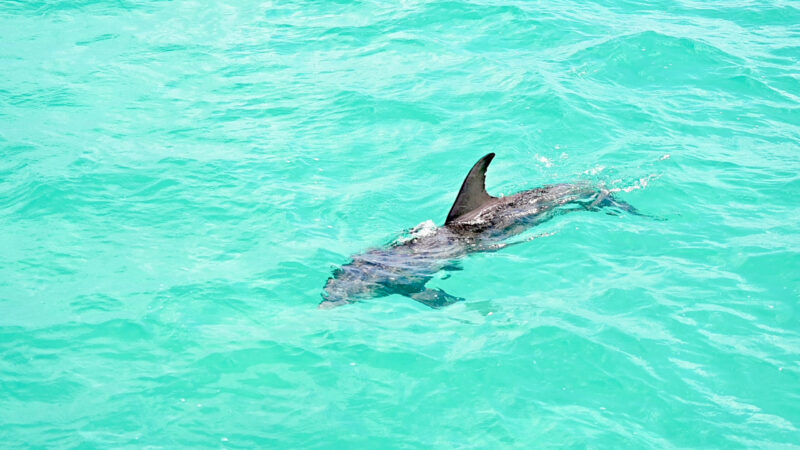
{"type": "Point", "coordinates": [476, 222]}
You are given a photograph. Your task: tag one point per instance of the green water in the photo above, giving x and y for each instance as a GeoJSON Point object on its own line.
{"type": "Point", "coordinates": [179, 179]}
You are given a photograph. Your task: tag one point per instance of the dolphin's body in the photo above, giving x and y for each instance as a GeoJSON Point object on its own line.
{"type": "Point", "coordinates": [476, 222]}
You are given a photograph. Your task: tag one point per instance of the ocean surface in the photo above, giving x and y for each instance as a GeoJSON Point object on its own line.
{"type": "Point", "coordinates": [179, 179]}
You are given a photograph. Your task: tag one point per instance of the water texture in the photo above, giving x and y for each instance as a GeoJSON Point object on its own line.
{"type": "Point", "coordinates": [178, 179]}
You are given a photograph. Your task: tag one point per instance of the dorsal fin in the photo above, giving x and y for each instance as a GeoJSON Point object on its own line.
{"type": "Point", "coordinates": [473, 191]}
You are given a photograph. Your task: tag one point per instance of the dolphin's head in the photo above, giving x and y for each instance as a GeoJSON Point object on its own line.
{"type": "Point", "coordinates": [334, 294]}
{"type": "Point", "coordinates": [329, 304]}
{"type": "Point", "coordinates": [348, 284]}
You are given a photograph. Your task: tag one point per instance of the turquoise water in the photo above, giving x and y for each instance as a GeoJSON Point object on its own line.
{"type": "Point", "coordinates": [178, 180]}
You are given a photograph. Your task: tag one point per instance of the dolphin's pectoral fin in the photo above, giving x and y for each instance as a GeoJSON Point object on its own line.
{"type": "Point", "coordinates": [435, 298]}
{"type": "Point", "coordinates": [453, 266]}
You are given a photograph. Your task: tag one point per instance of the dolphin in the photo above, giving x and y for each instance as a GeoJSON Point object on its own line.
{"type": "Point", "coordinates": [477, 222]}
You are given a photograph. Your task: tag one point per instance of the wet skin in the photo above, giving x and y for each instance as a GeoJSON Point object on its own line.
{"type": "Point", "coordinates": [405, 266]}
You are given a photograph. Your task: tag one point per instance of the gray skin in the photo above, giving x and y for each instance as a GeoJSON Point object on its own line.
{"type": "Point", "coordinates": [477, 222]}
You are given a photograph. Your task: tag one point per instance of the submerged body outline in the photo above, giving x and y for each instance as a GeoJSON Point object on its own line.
{"type": "Point", "coordinates": [477, 222]}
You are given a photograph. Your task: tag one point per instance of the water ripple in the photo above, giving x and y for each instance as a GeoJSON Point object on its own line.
{"type": "Point", "coordinates": [179, 179]}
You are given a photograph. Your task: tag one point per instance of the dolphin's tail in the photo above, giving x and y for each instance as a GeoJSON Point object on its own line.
{"type": "Point", "coordinates": [605, 199]}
